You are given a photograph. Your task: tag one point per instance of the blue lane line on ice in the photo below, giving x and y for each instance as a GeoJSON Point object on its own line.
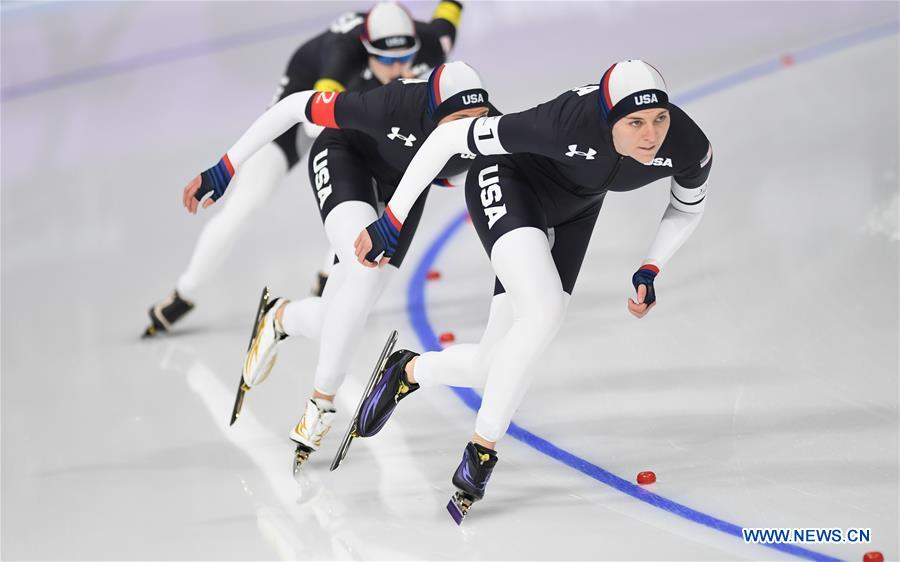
{"type": "Point", "coordinates": [416, 308]}
{"type": "Point", "coordinates": [428, 337]}
{"type": "Point", "coordinates": [774, 65]}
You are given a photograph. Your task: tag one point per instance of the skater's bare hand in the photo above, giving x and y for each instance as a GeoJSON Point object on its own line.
{"type": "Point", "coordinates": [190, 203]}
{"type": "Point", "coordinates": [362, 246]}
{"type": "Point", "coordinates": [639, 308]}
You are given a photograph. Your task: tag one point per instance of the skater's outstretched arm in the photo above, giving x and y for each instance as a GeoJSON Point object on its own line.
{"type": "Point", "coordinates": [686, 204]}
{"type": "Point", "coordinates": [363, 111]}
{"type": "Point", "coordinates": [269, 126]}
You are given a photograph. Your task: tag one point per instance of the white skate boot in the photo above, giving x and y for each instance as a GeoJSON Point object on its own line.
{"type": "Point", "coordinates": [263, 350]}
{"type": "Point", "coordinates": [311, 428]}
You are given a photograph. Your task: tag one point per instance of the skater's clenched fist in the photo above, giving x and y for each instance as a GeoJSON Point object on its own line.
{"type": "Point", "coordinates": [639, 308]}
{"type": "Point", "coordinates": [379, 239]}
{"type": "Point", "coordinates": [646, 295]}
{"type": "Point", "coordinates": [363, 246]}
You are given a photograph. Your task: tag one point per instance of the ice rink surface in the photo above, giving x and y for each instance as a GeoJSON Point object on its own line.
{"type": "Point", "coordinates": [762, 390]}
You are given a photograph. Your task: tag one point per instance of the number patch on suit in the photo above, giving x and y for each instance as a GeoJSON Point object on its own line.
{"type": "Point", "coordinates": [486, 137]}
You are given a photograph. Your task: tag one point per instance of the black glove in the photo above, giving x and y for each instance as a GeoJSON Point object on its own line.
{"type": "Point", "coordinates": [385, 235]}
{"type": "Point", "coordinates": [645, 276]}
{"type": "Point", "coordinates": [215, 180]}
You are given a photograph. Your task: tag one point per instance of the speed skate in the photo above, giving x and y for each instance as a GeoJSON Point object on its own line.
{"type": "Point", "coordinates": [471, 478]}
{"type": "Point", "coordinates": [243, 387]}
{"type": "Point", "coordinates": [351, 433]}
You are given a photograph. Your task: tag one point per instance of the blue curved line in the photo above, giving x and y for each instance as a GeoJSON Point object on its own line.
{"type": "Point", "coordinates": [419, 318]}
{"type": "Point", "coordinates": [802, 56]}
{"type": "Point", "coordinates": [416, 308]}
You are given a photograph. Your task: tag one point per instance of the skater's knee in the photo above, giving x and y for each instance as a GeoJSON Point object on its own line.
{"type": "Point", "coordinates": [545, 313]}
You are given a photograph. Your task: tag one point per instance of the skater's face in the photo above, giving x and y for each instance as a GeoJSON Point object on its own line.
{"type": "Point", "coordinates": [388, 69]}
{"type": "Point", "coordinates": [640, 134]}
{"type": "Point", "coordinates": [464, 113]}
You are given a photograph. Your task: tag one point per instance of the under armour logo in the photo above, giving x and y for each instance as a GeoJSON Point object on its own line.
{"type": "Point", "coordinates": [395, 134]}
{"type": "Point", "coordinates": [573, 150]}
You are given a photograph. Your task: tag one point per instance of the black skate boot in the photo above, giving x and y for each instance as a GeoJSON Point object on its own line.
{"type": "Point", "coordinates": [391, 388]}
{"type": "Point", "coordinates": [319, 286]}
{"type": "Point", "coordinates": [166, 312]}
{"type": "Point", "coordinates": [470, 479]}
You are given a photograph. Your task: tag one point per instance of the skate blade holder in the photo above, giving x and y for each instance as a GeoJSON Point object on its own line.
{"type": "Point", "coordinates": [301, 455]}
{"type": "Point", "coordinates": [459, 505]}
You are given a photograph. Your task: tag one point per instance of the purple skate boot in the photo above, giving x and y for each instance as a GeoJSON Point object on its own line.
{"type": "Point", "coordinates": [470, 479]}
{"type": "Point", "coordinates": [384, 363]}
{"type": "Point", "coordinates": [391, 388]}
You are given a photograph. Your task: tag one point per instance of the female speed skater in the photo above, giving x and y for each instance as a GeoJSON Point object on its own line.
{"type": "Point", "coordinates": [540, 174]}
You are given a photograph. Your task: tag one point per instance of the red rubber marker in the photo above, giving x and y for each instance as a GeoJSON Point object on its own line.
{"type": "Point", "coordinates": [646, 477]}
{"type": "Point", "coordinates": [447, 337]}
{"type": "Point", "coordinates": [873, 557]}
{"type": "Point", "coordinates": [787, 60]}
{"type": "Point", "coordinates": [433, 275]}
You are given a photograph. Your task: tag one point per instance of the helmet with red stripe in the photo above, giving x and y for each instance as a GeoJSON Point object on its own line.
{"type": "Point", "coordinates": [454, 86]}
{"type": "Point", "coordinates": [629, 86]}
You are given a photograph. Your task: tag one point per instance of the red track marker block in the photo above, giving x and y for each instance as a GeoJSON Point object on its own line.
{"type": "Point", "coordinates": [873, 557]}
{"type": "Point", "coordinates": [646, 477]}
{"type": "Point", "coordinates": [447, 337]}
{"type": "Point", "coordinates": [787, 60]}
{"type": "Point", "coordinates": [433, 275]}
